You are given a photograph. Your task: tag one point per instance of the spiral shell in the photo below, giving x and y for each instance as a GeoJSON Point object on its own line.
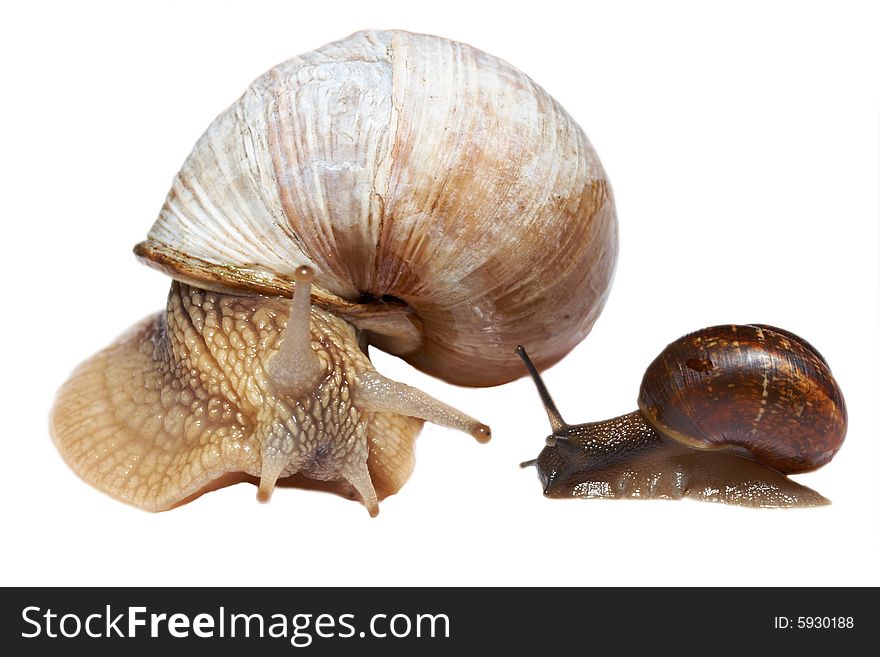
{"type": "Point", "coordinates": [749, 387]}
{"type": "Point", "coordinates": [449, 206]}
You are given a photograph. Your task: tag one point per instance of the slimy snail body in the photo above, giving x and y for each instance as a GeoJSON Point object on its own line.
{"type": "Point", "coordinates": [725, 414]}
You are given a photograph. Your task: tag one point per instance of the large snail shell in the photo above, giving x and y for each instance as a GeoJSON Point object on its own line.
{"type": "Point", "coordinates": [753, 387]}
{"type": "Point", "coordinates": [443, 198]}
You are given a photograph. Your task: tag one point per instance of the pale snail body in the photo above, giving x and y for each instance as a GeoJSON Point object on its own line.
{"type": "Point", "coordinates": [408, 192]}
{"type": "Point", "coordinates": [725, 414]}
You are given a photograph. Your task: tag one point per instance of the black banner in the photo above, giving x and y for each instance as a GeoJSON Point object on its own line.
{"type": "Point", "coordinates": [398, 621]}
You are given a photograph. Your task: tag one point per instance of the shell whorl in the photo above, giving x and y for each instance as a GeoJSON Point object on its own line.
{"type": "Point", "coordinates": [429, 185]}
{"type": "Point", "coordinates": [754, 387]}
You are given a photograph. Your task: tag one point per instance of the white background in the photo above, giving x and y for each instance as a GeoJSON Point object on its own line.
{"type": "Point", "coordinates": [742, 144]}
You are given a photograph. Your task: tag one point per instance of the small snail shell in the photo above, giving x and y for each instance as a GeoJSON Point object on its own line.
{"type": "Point", "coordinates": [725, 413]}
{"type": "Point", "coordinates": [408, 192]}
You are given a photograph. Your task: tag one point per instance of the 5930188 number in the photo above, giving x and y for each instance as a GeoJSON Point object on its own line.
{"type": "Point", "coordinates": [825, 622]}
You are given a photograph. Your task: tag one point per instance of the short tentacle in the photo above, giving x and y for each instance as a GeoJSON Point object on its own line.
{"type": "Point", "coordinates": [358, 475]}
{"type": "Point", "coordinates": [276, 449]}
{"type": "Point", "coordinates": [272, 467]}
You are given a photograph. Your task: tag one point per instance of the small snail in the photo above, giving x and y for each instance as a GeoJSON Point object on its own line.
{"type": "Point", "coordinates": [405, 191]}
{"type": "Point", "coordinates": [725, 413]}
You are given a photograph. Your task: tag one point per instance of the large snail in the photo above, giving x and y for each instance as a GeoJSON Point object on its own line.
{"type": "Point", "coordinates": [406, 191]}
{"type": "Point", "coordinates": [725, 413]}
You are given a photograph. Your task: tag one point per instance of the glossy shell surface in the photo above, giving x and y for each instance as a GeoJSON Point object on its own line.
{"type": "Point", "coordinates": [747, 387]}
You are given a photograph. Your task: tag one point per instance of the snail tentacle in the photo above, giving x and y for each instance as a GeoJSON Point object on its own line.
{"type": "Point", "coordinates": [295, 369]}
{"type": "Point", "coordinates": [278, 452]}
{"type": "Point", "coordinates": [273, 465]}
{"type": "Point", "coordinates": [557, 424]}
{"type": "Point", "coordinates": [380, 394]}
{"type": "Point", "coordinates": [358, 475]}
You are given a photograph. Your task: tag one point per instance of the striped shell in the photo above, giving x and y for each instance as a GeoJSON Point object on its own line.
{"type": "Point", "coordinates": [749, 387]}
{"type": "Point", "coordinates": [448, 205]}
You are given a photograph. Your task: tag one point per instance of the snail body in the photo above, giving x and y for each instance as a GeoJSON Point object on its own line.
{"type": "Point", "coordinates": [725, 414]}
{"type": "Point", "coordinates": [390, 189]}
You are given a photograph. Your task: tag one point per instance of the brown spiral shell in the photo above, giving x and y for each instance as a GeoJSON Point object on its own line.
{"type": "Point", "coordinates": [752, 387]}
{"type": "Point", "coordinates": [448, 205]}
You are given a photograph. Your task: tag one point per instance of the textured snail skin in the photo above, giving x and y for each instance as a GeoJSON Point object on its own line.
{"type": "Point", "coordinates": [185, 397]}
{"type": "Point", "coordinates": [626, 458]}
{"type": "Point", "coordinates": [408, 193]}
{"type": "Point", "coordinates": [725, 414]}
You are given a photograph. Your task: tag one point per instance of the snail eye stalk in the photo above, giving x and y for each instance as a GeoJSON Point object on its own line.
{"type": "Point", "coordinates": [557, 424]}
